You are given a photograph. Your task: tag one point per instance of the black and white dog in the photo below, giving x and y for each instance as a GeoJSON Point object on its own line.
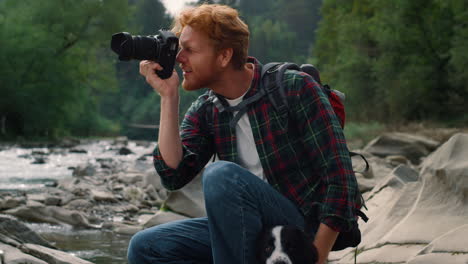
{"type": "Point", "coordinates": [285, 245]}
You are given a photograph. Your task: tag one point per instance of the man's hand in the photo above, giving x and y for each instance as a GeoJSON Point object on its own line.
{"type": "Point", "coordinates": [168, 87]}
{"type": "Point", "coordinates": [324, 241]}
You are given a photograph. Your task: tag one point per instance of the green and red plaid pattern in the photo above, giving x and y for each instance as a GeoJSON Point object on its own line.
{"type": "Point", "coordinates": [303, 152]}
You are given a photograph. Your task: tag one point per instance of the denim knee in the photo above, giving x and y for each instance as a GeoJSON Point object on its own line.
{"type": "Point", "coordinates": [137, 248]}
{"type": "Point", "coordinates": [218, 179]}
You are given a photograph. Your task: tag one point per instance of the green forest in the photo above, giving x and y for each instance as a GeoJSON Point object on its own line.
{"type": "Point", "coordinates": [397, 61]}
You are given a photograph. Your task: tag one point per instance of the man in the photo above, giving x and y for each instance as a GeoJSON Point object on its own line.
{"type": "Point", "coordinates": [275, 169]}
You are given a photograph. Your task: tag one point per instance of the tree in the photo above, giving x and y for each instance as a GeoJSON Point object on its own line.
{"type": "Point", "coordinates": [54, 62]}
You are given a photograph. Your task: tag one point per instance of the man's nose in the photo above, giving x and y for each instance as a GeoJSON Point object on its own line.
{"type": "Point", "coordinates": [180, 56]}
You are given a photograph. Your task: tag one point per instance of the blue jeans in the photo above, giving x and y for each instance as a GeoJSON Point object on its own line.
{"type": "Point", "coordinates": [238, 204]}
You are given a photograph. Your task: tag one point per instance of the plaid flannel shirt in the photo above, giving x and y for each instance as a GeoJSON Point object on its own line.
{"type": "Point", "coordinates": [303, 152]}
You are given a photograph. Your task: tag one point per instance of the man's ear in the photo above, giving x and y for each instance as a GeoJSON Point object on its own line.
{"type": "Point", "coordinates": [225, 56]}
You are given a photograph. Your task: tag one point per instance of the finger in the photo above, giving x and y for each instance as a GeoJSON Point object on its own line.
{"type": "Point", "coordinates": [143, 67]}
{"type": "Point", "coordinates": [156, 66]}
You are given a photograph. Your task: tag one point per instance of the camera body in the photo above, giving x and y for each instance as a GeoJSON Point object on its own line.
{"type": "Point", "coordinates": [161, 48]}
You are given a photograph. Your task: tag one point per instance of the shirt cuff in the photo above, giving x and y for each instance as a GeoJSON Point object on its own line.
{"type": "Point", "coordinates": [336, 223]}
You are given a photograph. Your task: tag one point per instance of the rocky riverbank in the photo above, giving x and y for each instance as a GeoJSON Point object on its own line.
{"type": "Point", "coordinates": [415, 191]}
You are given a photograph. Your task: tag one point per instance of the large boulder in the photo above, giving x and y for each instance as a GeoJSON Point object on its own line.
{"type": "Point", "coordinates": [189, 200]}
{"type": "Point", "coordinates": [448, 166]}
{"type": "Point", "coordinates": [418, 217]}
{"type": "Point", "coordinates": [162, 217]}
{"type": "Point", "coordinates": [402, 144]}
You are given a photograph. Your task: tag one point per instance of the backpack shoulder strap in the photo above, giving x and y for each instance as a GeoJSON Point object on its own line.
{"type": "Point", "coordinates": [272, 82]}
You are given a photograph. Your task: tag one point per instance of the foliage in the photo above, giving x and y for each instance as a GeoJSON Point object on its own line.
{"type": "Point", "coordinates": [397, 61]}
{"type": "Point", "coordinates": [53, 64]}
{"type": "Point", "coordinates": [405, 59]}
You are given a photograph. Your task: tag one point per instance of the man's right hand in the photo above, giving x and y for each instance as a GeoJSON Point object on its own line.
{"type": "Point", "coordinates": [165, 88]}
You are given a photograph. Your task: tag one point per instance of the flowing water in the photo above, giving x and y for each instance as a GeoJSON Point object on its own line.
{"type": "Point", "coordinates": [19, 174]}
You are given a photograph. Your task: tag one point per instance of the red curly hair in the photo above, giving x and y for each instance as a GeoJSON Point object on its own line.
{"type": "Point", "coordinates": [220, 23]}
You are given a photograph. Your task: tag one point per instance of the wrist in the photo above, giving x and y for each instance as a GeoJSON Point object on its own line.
{"type": "Point", "coordinates": [170, 99]}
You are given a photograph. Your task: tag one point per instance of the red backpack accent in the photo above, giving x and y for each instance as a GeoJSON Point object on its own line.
{"type": "Point", "coordinates": [338, 107]}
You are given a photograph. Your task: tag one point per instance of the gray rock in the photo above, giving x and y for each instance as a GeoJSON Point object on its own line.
{"type": "Point", "coordinates": [39, 160]}
{"type": "Point", "coordinates": [418, 218]}
{"type": "Point", "coordinates": [152, 178]}
{"type": "Point", "coordinates": [396, 160]}
{"type": "Point", "coordinates": [79, 151]}
{"type": "Point", "coordinates": [86, 170]}
{"type": "Point", "coordinates": [134, 195]}
{"type": "Point", "coordinates": [125, 229]}
{"type": "Point", "coordinates": [34, 204]}
{"type": "Point", "coordinates": [453, 242]}
{"type": "Point", "coordinates": [440, 257]}
{"type": "Point", "coordinates": [11, 202]}
{"type": "Point", "coordinates": [162, 217]}
{"type": "Point", "coordinates": [402, 144]}
{"type": "Point", "coordinates": [189, 200]}
{"type": "Point", "coordinates": [79, 204]}
{"type": "Point", "coordinates": [449, 165]}
{"type": "Point", "coordinates": [51, 256]}
{"type": "Point", "coordinates": [130, 208]}
{"type": "Point", "coordinates": [14, 229]}
{"type": "Point", "coordinates": [152, 193]}
{"type": "Point", "coordinates": [13, 255]}
{"type": "Point", "coordinates": [125, 151]}
{"type": "Point", "coordinates": [103, 196]}
{"type": "Point", "coordinates": [130, 178]}
{"type": "Point", "coordinates": [51, 214]}
{"type": "Point", "coordinates": [38, 197]}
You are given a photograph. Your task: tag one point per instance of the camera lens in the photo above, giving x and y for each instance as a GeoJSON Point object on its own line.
{"type": "Point", "coordinates": [135, 47]}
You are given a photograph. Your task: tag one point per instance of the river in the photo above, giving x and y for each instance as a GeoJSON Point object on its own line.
{"type": "Point", "coordinates": [19, 174]}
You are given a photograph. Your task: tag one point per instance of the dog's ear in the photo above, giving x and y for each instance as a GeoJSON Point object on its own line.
{"type": "Point", "coordinates": [263, 245]}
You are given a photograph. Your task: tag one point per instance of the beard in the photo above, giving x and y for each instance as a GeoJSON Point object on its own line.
{"type": "Point", "coordinates": [204, 79]}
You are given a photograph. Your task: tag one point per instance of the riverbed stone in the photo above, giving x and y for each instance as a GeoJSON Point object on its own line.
{"type": "Point", "coordinates": [129, 208]}
{"type": "Point", "coordinates": [89, 169]}
{"type": "Point", "coordinates": [12, 255]}
{"type": "Point", "coordinates": [11, 228]}
{"type": "Point", "coordinates": [11, 202]}
{"type": "Point", "coordinates": [103, 196]}
{"type": "Point", "coordinates": [53, 200]}
{"type": "Point", "coordinates": [125, 151]}
{"type": "Point", "coordinates": [51, 214]}
{"type": "Point", "coordinates": [130, 178]}
{"type": "Point", "coordinates": [126, 229]}
{"type": "Point", "coordinates": [38, 197]}
{"type": "Point", "coordinates": [51, 256]}
{"type": "Point", "coordinates": [134, 195]}
{"type": "Point", "coordinates": [79, 204]}
{"type": "Point", "coordinates": [78, 151]}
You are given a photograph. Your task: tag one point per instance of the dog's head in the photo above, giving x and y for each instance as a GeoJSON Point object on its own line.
{"type": "Point", "coordinates": [285, 245]}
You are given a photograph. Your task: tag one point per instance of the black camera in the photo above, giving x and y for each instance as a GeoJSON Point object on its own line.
{"type": "Point", "coordinates": [161, 48]}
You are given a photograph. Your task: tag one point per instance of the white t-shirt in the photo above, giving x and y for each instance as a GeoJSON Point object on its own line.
{"type": "Point", "coordinates": [248, 154]}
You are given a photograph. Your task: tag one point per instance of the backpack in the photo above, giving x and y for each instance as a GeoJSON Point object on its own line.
{"type": "Point", "coordinates": [272, 80]}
